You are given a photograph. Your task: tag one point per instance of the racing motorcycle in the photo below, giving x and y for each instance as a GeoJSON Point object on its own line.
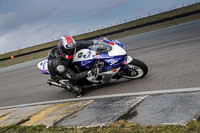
{"type": "Point", "coordinates": [109, 57]}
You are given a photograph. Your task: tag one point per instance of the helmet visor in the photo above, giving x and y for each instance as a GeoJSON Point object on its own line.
{"type": "Point", "coordinates": [68, 50]}
{"type": "Point", "coordinates": [70, 45]}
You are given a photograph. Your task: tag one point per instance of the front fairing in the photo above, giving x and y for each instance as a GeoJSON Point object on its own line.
{"type": "Point", "coordinates": [84, 65]}
{"type": "Point", "coordinates": [111, 52]}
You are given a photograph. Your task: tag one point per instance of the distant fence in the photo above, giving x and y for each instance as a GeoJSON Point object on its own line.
{"type": "Point", "coordinates": [117, 31]}
{"type": "Point", "coordinates": [146, 24]}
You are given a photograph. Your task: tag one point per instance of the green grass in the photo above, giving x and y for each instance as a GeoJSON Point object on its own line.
{"type": "Point", "coordinates": [24, 58]}
{"type": "Point", "coordinates": [143, 20]}
{"type": "Point", "coordinates": [29, 49]}
{"type": "Point", "coordinates": [117, 127]}
{"type": "Point", "coordinates": [155, 27]}
{"type": "Point", "coordinates": [115, 36]}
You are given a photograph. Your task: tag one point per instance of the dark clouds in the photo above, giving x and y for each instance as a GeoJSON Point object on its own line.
{"type": "Point", "coordinates": [28, 22]}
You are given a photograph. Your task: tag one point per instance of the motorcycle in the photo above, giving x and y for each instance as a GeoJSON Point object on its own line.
{"type": "Point", "coordinates": [109, 57]}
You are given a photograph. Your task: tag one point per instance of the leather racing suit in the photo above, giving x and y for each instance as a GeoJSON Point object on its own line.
{"type": "Point", "coordinates": [60, 67]}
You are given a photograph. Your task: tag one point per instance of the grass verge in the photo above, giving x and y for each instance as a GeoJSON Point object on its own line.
{"type": "Point", "coordinates": [24, 58]}
{"type": "Point", "coordinates": [117, 127]}
{"type": "Point", "coordinates": [154, 27]}
{"type": "Point", "coordinates": [110, 29]}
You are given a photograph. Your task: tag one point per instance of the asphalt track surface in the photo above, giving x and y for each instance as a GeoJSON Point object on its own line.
{"type": "Point", "coordinates": [172, 55]}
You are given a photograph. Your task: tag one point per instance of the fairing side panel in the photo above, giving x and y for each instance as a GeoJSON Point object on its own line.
{"type": "Point", "coordinates": [43, 66]}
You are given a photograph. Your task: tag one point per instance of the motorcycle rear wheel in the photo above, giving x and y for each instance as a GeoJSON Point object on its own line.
{"type": "Point", "coordinates": [137, 68]}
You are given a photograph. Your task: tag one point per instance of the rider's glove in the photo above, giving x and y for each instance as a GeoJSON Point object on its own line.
{"type": "Point", "coordinates": [94, 72]}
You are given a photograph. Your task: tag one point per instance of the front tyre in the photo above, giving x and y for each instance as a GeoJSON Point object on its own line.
{"type": "Point", "coordinates": [135, 69]}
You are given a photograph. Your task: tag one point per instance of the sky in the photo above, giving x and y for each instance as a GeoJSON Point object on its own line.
{"type": "Point", "coordinates": [24, 23]}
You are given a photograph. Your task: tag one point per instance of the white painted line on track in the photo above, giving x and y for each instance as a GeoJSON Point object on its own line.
{"type": "Point", "coordinates": [157, 92]}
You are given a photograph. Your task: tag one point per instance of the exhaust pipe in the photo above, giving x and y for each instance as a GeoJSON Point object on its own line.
{"type": "Point", "coordinates": [52, 83]}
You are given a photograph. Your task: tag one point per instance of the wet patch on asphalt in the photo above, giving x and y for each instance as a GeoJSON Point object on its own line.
{"type": "Point", "coordinates": [102, 112]}
{"type": "Point", "coordinates": [167, 109]}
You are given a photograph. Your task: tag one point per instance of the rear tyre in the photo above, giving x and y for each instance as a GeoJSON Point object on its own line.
{"type": "Point", "coordinates": [136, 69]}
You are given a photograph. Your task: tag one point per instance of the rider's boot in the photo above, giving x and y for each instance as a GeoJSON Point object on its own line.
{"type": "Point", "coordinates": [76, 89]}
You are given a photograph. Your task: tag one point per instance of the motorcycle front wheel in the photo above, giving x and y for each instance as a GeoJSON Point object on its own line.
{"type": "Point", "coordinates": [135, 69]}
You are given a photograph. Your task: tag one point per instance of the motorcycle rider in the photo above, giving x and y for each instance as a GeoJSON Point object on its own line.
{"type": "Point", "coordinates": [60, 62]}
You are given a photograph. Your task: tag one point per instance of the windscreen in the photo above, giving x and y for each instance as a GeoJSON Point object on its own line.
{"type": "Point", "coordinates": [101, 47]}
